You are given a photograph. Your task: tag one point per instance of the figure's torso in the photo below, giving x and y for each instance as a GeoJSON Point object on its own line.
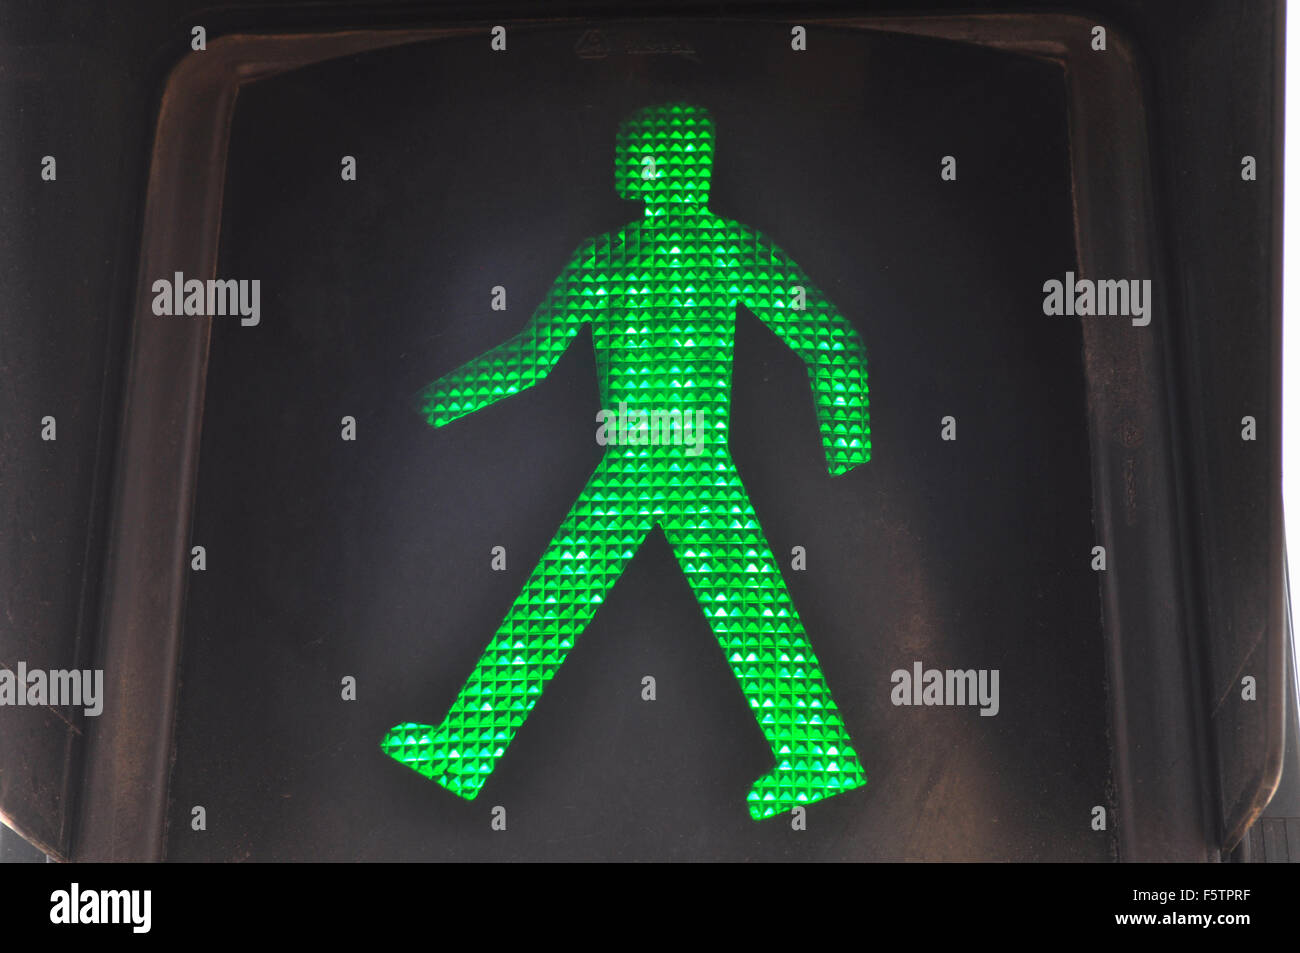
{"type": "Point", "coordinates": [665, 335]}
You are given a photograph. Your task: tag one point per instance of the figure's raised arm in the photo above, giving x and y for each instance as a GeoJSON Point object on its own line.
{"type": "Point", "coordinates": [796, 310]}
{"type": "Point", "coordinates": [526, 358]}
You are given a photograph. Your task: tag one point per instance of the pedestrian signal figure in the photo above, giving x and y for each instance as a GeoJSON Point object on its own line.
{"type": "Point", "coordinates": [660, 295]}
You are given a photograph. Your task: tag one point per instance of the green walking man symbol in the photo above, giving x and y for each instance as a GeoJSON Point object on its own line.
{"type": "Point", "coordinates": [660, 295]}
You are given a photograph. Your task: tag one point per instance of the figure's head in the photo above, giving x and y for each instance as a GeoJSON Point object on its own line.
{"type": "Point", "coordinates": [664, 155]}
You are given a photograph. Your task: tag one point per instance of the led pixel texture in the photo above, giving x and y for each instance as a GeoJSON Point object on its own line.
{"type": "Point", "coordinates": [660, 295]}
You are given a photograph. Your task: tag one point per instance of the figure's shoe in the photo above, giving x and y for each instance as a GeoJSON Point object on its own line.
{"type": "Point", "coordinates": [791, 784]}
{"type": "Point", "coordinates": [460, 768]}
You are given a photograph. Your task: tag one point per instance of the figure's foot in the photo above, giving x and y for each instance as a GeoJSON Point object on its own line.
{"type": "Point", "coordinates": [790, 784]}
{"type": "Point", "coordinates": [433, 753]}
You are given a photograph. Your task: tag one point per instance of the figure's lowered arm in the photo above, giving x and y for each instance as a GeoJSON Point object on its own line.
{"type": "Point", "coordinates": [829, 345]}
{"type": "Point", "coordinates": [522, 361]}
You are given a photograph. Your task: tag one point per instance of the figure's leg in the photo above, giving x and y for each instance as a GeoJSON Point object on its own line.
{"type": "Point", "coordinates": [587, 555]}
{"type": "Point", "coordinates": [728, 563]}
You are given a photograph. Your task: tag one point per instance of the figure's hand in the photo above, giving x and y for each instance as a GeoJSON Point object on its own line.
{"type": "Point", "coordinates": [431, 405]}
{"type": "Point", "coordinates": [518, 363]}
{"type": "Point", "coordinates": [843, 459]}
